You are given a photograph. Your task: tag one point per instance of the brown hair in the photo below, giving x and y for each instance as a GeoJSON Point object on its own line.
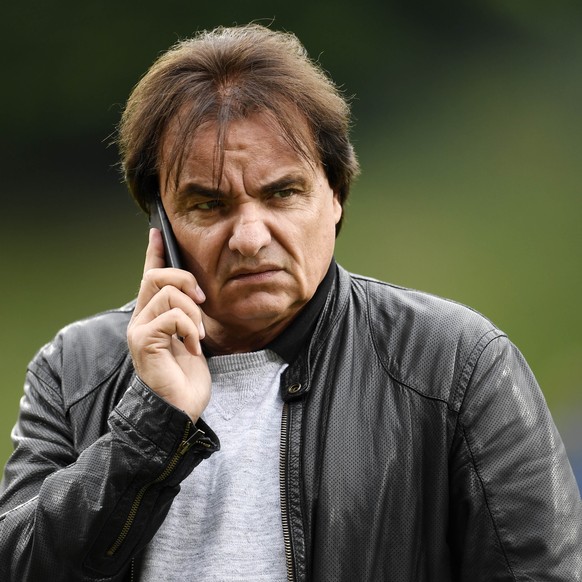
{"type": "Point", "coordinates": [230, 73]}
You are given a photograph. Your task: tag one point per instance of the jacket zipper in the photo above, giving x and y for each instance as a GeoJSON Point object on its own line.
{"type": "Point", "coordinates": [283, 486]}
{"type": "Point", "coordinates": [184, 445]}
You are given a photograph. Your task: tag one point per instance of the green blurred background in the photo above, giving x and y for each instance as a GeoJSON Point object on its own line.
{"type": "Point", "coordinates": [468, 128]}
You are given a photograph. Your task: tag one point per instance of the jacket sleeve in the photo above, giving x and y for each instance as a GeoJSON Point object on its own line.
{"type": "Point", "coordinates": [516, 509]}
{"type": "Point", "coordinates": [83, 516]}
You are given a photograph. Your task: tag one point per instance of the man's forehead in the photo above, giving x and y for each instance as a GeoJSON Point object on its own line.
{"type": "Point", "coordinates": [210, 143]}
{"type": "Point", "coordinates": [183, 130]}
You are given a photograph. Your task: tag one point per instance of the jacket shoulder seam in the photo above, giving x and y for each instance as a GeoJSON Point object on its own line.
{"type": "Point", "coordinates": [42, 367]}
{"type": "Point", "coordinates": [385, 367]}
{"type": "Point", "coordinates": [456, 393]}
{"type": "Point", "coordinates": [479, 348]}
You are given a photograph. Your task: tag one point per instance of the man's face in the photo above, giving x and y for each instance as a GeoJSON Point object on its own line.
{"type": "Point", "coordinates": [259, 242]}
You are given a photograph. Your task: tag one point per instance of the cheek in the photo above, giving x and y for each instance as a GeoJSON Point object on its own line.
{"type": "Point", "coordinates": [199, 249]}
{"type": "Point", "coordinates": [318, 242]}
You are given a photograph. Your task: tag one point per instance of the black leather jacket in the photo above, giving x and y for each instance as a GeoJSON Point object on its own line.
{"type": "Point", "coordinates": [416, 447]}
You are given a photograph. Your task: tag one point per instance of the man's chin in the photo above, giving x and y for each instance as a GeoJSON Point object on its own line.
{"type": "Point", "coordinates": [256, 312]}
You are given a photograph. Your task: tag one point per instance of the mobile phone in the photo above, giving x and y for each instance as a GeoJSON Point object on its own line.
{"type": "Point", "coordinates": [159, 220]}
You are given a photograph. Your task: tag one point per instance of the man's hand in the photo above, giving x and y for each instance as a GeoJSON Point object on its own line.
{"type": "Point", "coordinates": [165, 331]}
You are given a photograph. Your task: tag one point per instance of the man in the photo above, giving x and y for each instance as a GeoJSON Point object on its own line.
{"type": "Point", "coordinates": [367, 432]}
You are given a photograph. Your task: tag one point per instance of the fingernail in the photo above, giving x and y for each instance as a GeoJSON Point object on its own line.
{"type": "Point", "coordinates": [200, 293]}
{"type": "Point", "coordinates": [201, 330]}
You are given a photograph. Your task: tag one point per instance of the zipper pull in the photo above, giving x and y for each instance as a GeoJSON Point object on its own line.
{"type": "Point", "coordinates": [191, 440]}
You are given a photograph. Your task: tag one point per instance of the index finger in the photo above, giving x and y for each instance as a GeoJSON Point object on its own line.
{"type": "Point", "coordinates": [155, 276]}
{"type": "Point", "coordinates": [154, 258]}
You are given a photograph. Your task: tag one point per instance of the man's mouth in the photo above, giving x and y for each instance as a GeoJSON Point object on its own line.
{"type": "Point", "coordinates": [255, 274]}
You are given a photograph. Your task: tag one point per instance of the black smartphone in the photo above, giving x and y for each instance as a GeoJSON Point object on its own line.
{"type": "Point", "coordinates": [159, 220]}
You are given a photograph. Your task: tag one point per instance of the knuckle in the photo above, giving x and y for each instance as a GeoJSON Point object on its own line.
{"type": "Point", "coordinates": [148, 276]}
{"type": "Point", "coordinates": [166, 292]}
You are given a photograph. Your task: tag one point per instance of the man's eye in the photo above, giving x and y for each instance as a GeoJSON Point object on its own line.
{"type": "Point", "coordinates": [284, 193]}
{"type": "Point", "coordinates": [212, 204]}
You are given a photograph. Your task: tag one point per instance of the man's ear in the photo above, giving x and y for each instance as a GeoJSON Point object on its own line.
{"type": "Point", "coordinates": [337, 207]}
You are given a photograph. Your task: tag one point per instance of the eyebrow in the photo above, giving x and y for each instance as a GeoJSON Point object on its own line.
{"type": "Point", "coordinates": [196, 189]}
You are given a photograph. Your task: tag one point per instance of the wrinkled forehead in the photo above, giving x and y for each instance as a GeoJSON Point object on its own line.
{"type": "Point", "coordinates": [186, 130]}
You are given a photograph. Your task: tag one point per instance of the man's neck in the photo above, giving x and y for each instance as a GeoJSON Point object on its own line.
{"type": "Point", "coordinates": [222, 340]}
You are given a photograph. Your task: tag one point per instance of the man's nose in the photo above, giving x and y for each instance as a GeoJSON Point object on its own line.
{"type": "Point", "coordinates": [250, 233]}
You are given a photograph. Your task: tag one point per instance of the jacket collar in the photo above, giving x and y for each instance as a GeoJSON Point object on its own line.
{"type": "Point", "coordinates": [293, 339]}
